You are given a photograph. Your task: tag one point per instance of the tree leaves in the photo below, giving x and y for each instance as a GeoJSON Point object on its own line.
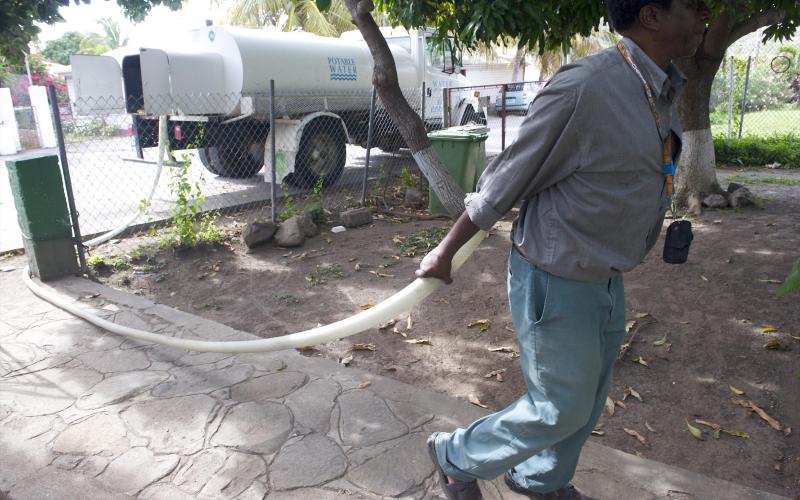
{"type": "Point", "coordinates": [792, 282]}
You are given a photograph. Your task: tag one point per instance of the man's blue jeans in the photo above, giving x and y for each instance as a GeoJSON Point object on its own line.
{"type": "Point", "coordinates": [569, 335]}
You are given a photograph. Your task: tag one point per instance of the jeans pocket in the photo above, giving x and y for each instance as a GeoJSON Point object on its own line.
{"type": "Point", "coordinates": [540, 293]}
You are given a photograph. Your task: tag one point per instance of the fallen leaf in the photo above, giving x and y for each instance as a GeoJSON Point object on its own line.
{"type": "Point", "coordinates": [736, 391]}
{"type": "Point", "coordinates": [741, 434]}
{"type": "Point", "coordinates": [511, 329]}
{"type": "Point", "coordinates": [776, 282]}
{"type": "Point", "coordinates": [307, 348]}
{"type": "Point", "coordinates": [759, 411]}
{"type": "Point", "coordinates": [708, 424]}
{"type": "Point", "coordinates": [363, 385]}
{"type": "Point", "coordinates": [382, 275]}
{"type": "Point", "coordinates": [787, 430]}
{"type": "Point", "coordinates": [776, 467]}
{"type": "Point", "coordinates": [610, 406]}
{"type": "Point", "coordinates": [357, 267]}
{"type": "Point", "coordinates": [399, 332]}
{"type": "Point", "coordinates": [419, 341]}
{"type": "Point", "coordinates": [630, 391]}
{"type": "Point", "coordinates": [598, 433]}
{"type": "Point", "coordinates": [769, 329]}
{"type": "Point", "coordinates": [91, 296]}
{"type": "Point", "coordinates": [697, 433]}
{"type": "Point", "coordinates": [703, 278]}
{"type": "Point", "coordinates": [363, 347]}
{"type": "Point", "coordinates": [629, 325]}
{"type": "Point", "coordinates": [366, 306]}
{"type": "Point", "coordinates": [774, 344]}
{"type": "Point", "coordinates": [384, 326]}
{"type": "Point", "coordinates": [499, 377]}
{"type": "Point", "coordinates": [409, 323]}
{"type": "Point", "coordinates": [352, 259]}
{"type": "Point", "coordinates": [650, 428]}
{"type": "Point", "coordinates": [346, 360]}
{"type": "Point", "coordinates": [661, 341]}
{"type": "Point", "coordinates": [684, 322]}
{"type": "Point", "coordinates": [474, 400]}
{"type": "Point", "coordinates": [620, 404]}
{"type": "Point", "coordinates": [638, 436]}
{"type": "Point", "coordinates": [482, 323]}
{"type": "Point", "coordinates": [501, 349]}
{"type": "Point", "coordinates": [796, 338]}
{"type": "Point", "coordinates": [642, 315]}
{"type": "Point", "coordinates": [641, 361]}
{"type": "Point", "coordinates": [496, 373]}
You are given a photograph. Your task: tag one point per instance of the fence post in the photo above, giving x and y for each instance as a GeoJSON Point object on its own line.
{"type": "Point", "coordinates": [62, 156]}
{"type": "Point", "coordinates": [272, 132]}
{"type": "Point", "coordinates": [744, 96]}
{"type": "Point", "coordinates": [445, 108]}
{"type": "Point", "coordinates": [730, 100]}
{"type": "Point", "coordinates": [503, 117]}
{"type": "Point", "coordinates": [422, 110]}
{"type": "Point", "coordinates": [370, 129]}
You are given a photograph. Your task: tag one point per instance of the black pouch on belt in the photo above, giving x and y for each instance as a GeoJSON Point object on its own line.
{"type": "Point", "coordinates": [676, 245]}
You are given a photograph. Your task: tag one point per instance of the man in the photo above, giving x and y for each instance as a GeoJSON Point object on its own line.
{"type": "Point", "coordinates": [588, 170]}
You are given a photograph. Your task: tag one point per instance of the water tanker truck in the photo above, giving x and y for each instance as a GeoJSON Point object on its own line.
{"type": "Point", "coordinates": [214, 85]}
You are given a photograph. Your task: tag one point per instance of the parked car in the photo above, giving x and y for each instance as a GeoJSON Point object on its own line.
{"type": "Point", "coordinates": [518, 97]}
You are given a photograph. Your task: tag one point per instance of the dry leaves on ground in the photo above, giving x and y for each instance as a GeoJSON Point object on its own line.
{"type": "Point", "coordinates": [638, 436]}
{"type": "Point", "coordinates": [474, 400]}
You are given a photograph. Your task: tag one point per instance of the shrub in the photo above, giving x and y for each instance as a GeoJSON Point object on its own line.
{"type": "Point", "coordinates": [758, 151]}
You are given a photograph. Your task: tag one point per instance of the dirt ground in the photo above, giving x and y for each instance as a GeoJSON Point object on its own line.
{"type": "Point", "coordinates": [700, 328]}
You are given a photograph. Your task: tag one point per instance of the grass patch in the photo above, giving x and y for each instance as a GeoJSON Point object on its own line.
{"type": "Point", "coordinates": [422, 241]}
{"type": "Point", "coordinates": [763, 123]}
{"type": "Point", "coordinates": [320, 274]}
{"type": "Point", "coordinates": [100, 262]}
{"type": "Point", "coordinates": [762, 181]}
{"type": "Point", "coordinates": [756, 151]}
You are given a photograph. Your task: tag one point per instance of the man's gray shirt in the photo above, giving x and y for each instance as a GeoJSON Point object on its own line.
{"type": "Point", "coordinates": [587, 167]}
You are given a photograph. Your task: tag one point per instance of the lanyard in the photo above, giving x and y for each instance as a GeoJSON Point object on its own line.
{"type": "Point", "coordinates": [667, 164]}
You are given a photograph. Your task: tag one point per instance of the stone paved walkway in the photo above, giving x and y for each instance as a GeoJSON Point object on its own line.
{"type": "Point", "coordinates": [87, 414]}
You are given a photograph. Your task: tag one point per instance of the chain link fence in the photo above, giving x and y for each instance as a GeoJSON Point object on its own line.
{"type": "Point", "coordinates": [756, 97]}
{"type": "Point", "coordinates": [219, 155]}
{"type": "Point", "coordinates": [501, 107]}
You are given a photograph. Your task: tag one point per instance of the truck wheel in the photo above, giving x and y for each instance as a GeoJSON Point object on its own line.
{"type": "Point", "coordinates": [322, 153]}
{"type": "Point", "coordinates": [237, 161]}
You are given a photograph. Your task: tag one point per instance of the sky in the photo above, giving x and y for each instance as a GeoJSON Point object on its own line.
{"type": "Point", "coordinates": [158, 24]}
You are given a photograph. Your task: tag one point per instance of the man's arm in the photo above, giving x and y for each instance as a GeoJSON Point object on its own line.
{"type": "Point", "coordinates": [437, 263]}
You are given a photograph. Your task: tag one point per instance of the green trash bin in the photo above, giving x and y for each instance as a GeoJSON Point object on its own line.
{"type": "Point", "coordinates": [463, 152]}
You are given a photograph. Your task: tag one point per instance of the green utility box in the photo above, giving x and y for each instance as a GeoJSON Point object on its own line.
{"type": "Point", "coordinates": [463, 152]}
{"type": "Point", "coordinates": [43, 217]}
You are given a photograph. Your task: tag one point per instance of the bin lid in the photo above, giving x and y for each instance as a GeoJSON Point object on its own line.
{"type": "Point", "coordinates": [472, 132]}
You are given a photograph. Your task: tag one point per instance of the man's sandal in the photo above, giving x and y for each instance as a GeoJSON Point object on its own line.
{"type": "Point", "coordinates": [568, 492]}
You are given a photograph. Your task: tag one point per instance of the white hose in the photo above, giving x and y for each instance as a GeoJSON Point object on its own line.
{"type": "Point", "coordinates": [162, 147]}
{"type": "Point", "coordinates": [387, 310]}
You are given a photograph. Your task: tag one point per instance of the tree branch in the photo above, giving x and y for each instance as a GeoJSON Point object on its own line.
{"type": "Point", "coordinates": [716, 40]}
{"type": "Point", "coordinates": [749, 25]}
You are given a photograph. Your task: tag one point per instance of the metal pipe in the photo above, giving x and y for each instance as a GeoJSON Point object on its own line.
{"type": "Point", "coordinates": [272, 131]}
{"type": "Point", "coordinates": [422, 110]}
{"type": "Point", "coordinates": [62, 156]}
{"type": "Point", "coordinates": [744, 96]}
{"type": "Point", "coordinates": [445, 108]}
{"type": "Point", "coordinates": [730, 99]}
{"type": "Point", "coordinates": [370, 130]}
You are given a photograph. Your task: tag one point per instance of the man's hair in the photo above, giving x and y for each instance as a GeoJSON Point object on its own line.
{"type": "Point", "coordinates": [623, 13]}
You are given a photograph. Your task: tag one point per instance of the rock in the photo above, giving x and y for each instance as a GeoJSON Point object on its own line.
{"type": "Point", "coordinates": [258, 232]}
{"type": "Point", "coordinates": [356, 217]}
{"type": "Point", "coordinates": [715, 201]}
{"type": "Point", "coordinates": [742, 197]}
{"type": "Point", "coordinates": [309, 462]}
{"type": "Point", "coordinates": [733, 187]}
{"type": "Point", "coordinates": [413, 198]}
{"type": "Point", "coordinates": [290, 234]}
{"type": "Point", "coordinates": [306, 222]}
{"type": "Point", "coordinates": [254, 427]}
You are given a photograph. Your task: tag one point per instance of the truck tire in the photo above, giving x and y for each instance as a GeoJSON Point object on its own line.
{"type": "Point", "coordinates": [237, 161]}
{"type": "Point", "coordinates": [322, 153]}
{"type": "Point", "coordinates": [235, 151]}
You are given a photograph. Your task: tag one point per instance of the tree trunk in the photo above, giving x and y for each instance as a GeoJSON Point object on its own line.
{"type": "Point", "coordinates": [384, 78]}
{"type": "Point", "coordinates": [696, 174]}
{"type": "Point", "coordinates": [519, 62]}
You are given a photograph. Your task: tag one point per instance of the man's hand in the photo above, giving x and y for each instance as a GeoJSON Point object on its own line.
{"type": "Point", "coordinates": [435, 265]}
